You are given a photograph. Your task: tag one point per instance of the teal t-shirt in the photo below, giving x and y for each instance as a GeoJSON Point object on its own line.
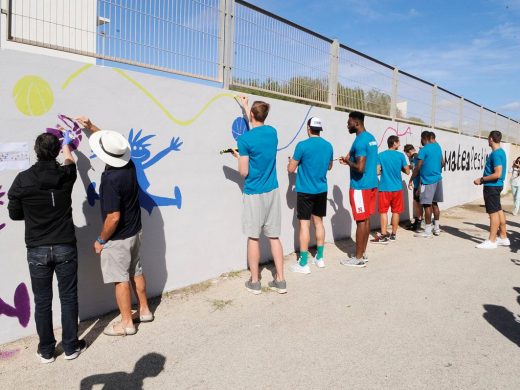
{"type": "Point", "coordinates": [495, 159]}
{"type": "Point", "coordinates": [431, 169]}
{"type": "Point", "coordinates": [314, 156]}
{"type": "Point", "coordinates": [365, 145]}
{"type": "Point", "coordinates": [260, 144]}
{"type": "Point", "coordinates": [391, 162]}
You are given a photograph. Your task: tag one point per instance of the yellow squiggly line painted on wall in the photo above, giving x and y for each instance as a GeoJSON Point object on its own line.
{"type": "Point", "coordinates": [75, 74]}
{"type": "Point", "coordinates": [165, 111]}
{"type": "Point", "coordinates": [178, 121]}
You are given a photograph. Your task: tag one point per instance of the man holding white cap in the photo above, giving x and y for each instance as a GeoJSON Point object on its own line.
{"type": "Point", "coordinates": [313, 158]}
{"type": "Point", "coordinates": [119, 242]}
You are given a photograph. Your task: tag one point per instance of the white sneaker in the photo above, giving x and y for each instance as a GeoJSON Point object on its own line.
{"type": "Point", "coordinates": [487, 245]}
{"type": "Point", "coordinates": [503, 241]}
{"type": "Point", "coordinates": [300, 269]}
{"type": "Point", "coordinates": [45, 360]}
{"type": "Point", "coordinates": [437, 232]}
{"type": "Point", "coordinates": [365, 258]}
{"type": "Point", "coordinates": [424, 234]}
{"type": "Point", "coordinates": [320, 263]}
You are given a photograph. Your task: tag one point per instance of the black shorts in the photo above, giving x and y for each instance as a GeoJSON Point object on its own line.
{"type": "Point", "coordinates": [311, 204]}
{"type": "Point", "coordinates": [492, 199]}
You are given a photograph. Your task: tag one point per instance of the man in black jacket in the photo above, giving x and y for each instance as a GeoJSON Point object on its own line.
{"type": "Point", "coordinates": [41, 196]}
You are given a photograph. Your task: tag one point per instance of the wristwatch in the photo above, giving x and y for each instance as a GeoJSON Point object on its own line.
{"type": "Point", "coordinates": [101, 241]}
{"type": "Point", "coordinates": [481, 180]}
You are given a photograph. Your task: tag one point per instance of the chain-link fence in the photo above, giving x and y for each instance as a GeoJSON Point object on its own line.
{"type": "Point", "coordinates": [244, 47]}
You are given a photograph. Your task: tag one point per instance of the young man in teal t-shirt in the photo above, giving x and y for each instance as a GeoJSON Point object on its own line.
{"type": "Point", "coordinates": [362, 160]}
{"type": "Point", "coordinates": [391, 163]}
{"type": "Point", "coordinates": [493, 181]}
{"type": "Point", "coordinates": [429, 169]}
{"type": "Point", "coordinates": [261, 203]}
{"type": "Point", "coordinates": [313, 158]}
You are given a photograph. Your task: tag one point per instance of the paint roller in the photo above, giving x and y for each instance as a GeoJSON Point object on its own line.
{"type": "Point", "coordinates": [229, 150]}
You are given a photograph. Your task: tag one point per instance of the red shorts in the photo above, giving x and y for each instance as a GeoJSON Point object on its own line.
{"type": "Point", "coordinates": [391, 200]}
{"type": "Point", "coordinates": [363, 203]}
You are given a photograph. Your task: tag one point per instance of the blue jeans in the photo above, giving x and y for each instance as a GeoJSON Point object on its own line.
{"type": "Point", "coordinates": [43, 262]}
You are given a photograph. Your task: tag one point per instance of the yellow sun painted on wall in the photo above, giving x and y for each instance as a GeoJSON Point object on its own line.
{"type": "Point", "coordinates": [33, 96]}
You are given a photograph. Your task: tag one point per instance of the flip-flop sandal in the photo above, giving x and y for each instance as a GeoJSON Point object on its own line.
{"type": "Point", "coordinates": [146, 318]}
{"type": "Point", "coordinates": [143, 318]}
{"type": "Point", "coordinates": [110, 331]}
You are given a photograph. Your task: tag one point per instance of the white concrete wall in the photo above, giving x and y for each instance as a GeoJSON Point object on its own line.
{"type": "Point", "coordinates": [203, 238]}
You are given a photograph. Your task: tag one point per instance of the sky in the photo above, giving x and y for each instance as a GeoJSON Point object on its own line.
{"type": "Point", "coordinates": [469, 47]}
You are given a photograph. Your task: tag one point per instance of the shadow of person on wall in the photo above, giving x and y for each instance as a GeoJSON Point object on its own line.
{"type": "Point", "coordinates": [234, 176]}
{"type": "Point", "coordinates": [341, 222]}
{"type": "Point", "coordinates": [96, 299]}
{"type": "Point", "coordinates": [149, 366]}
{"type": "Point", "coordinates": [291, 199]}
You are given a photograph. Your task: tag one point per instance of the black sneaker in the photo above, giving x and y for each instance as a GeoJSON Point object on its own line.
{"type": "Point", "coordinates": [381, 239]}
{"type": "Point", "coordinates": [392, 238]}
{"type": "Point", "coordinates": [82, 346]}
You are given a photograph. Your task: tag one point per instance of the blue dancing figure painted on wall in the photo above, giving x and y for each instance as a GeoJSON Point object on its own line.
{"type": "Point", "coordinates": [141, 156]}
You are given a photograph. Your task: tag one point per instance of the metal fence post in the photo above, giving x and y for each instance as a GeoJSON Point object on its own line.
{"type": "Point", "coordinates": [434, 106]}
{"type": "Point", "coordinates": [333, 74]}
{"type": "Point", "coordinates": [226, 32]}
{"type": "Point", "coordinates": [480, 121]}
{"type": "Point", "coordinates": [461, 114]}
{"type": "Point", "coordinates": [393, 98]}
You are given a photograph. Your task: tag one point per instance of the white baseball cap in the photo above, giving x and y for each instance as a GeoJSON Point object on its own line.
{"type": "Point", "coordinates": [315, 123]}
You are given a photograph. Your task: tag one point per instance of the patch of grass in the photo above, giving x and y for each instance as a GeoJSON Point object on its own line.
{"type": "Point", "coordinates": [189, 290]}
{"type": "Point", "coordinates": [220, 304]}
{"type": "Point", "coordinates": [232, 274]}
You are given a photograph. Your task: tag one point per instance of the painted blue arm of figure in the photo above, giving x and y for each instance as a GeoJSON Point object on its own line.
{"type": "Point", "coordinates": [175, 145]}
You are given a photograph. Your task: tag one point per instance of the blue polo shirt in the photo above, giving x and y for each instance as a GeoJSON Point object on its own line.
{"type": "Point", "coordinates": [365, 145]}
{"type": "Point", "coordinates": [496, 158]}
{"type": "Point", "coordinates": [314, 156]}
{"type": "Point", "coordinates": [391, 162]}
{"type": "Point", "coordinates": [119, 191]}
{"type": "Point", "coordinates": [260, 144]}
{"type": "Point", "coordinates": [431, 155]}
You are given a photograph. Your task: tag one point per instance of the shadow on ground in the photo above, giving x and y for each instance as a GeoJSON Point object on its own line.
{"type": "Point", "coordinates": [504, 321]}
{"type": "Point", "coordinates": [150, 365]}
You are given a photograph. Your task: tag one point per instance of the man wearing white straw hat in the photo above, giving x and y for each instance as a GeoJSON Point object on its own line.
{"type": "Point", "coordinates": [119, 242]}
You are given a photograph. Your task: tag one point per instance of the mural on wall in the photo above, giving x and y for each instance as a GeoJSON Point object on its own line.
{"type": "Point", "coordinates": [2, 194]}
{"type": "Point", "coordinates": [67, 124]}
{"type": "Point", "coordinates": [303, 124]}
{"type": "Point", "coordinates": [141, 157]}
{"type": "Point", "coordinates": [21, 308]}
{"type": "Point", "coordinates": [33, 96]}
{"type": "Point", "coordinates": [396, 132]}
{"type": "Point", "coordinates": [239, 126]}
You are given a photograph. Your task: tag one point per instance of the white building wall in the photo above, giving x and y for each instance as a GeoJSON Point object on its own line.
{"type": "Point", "coordinates": [201, 238]}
